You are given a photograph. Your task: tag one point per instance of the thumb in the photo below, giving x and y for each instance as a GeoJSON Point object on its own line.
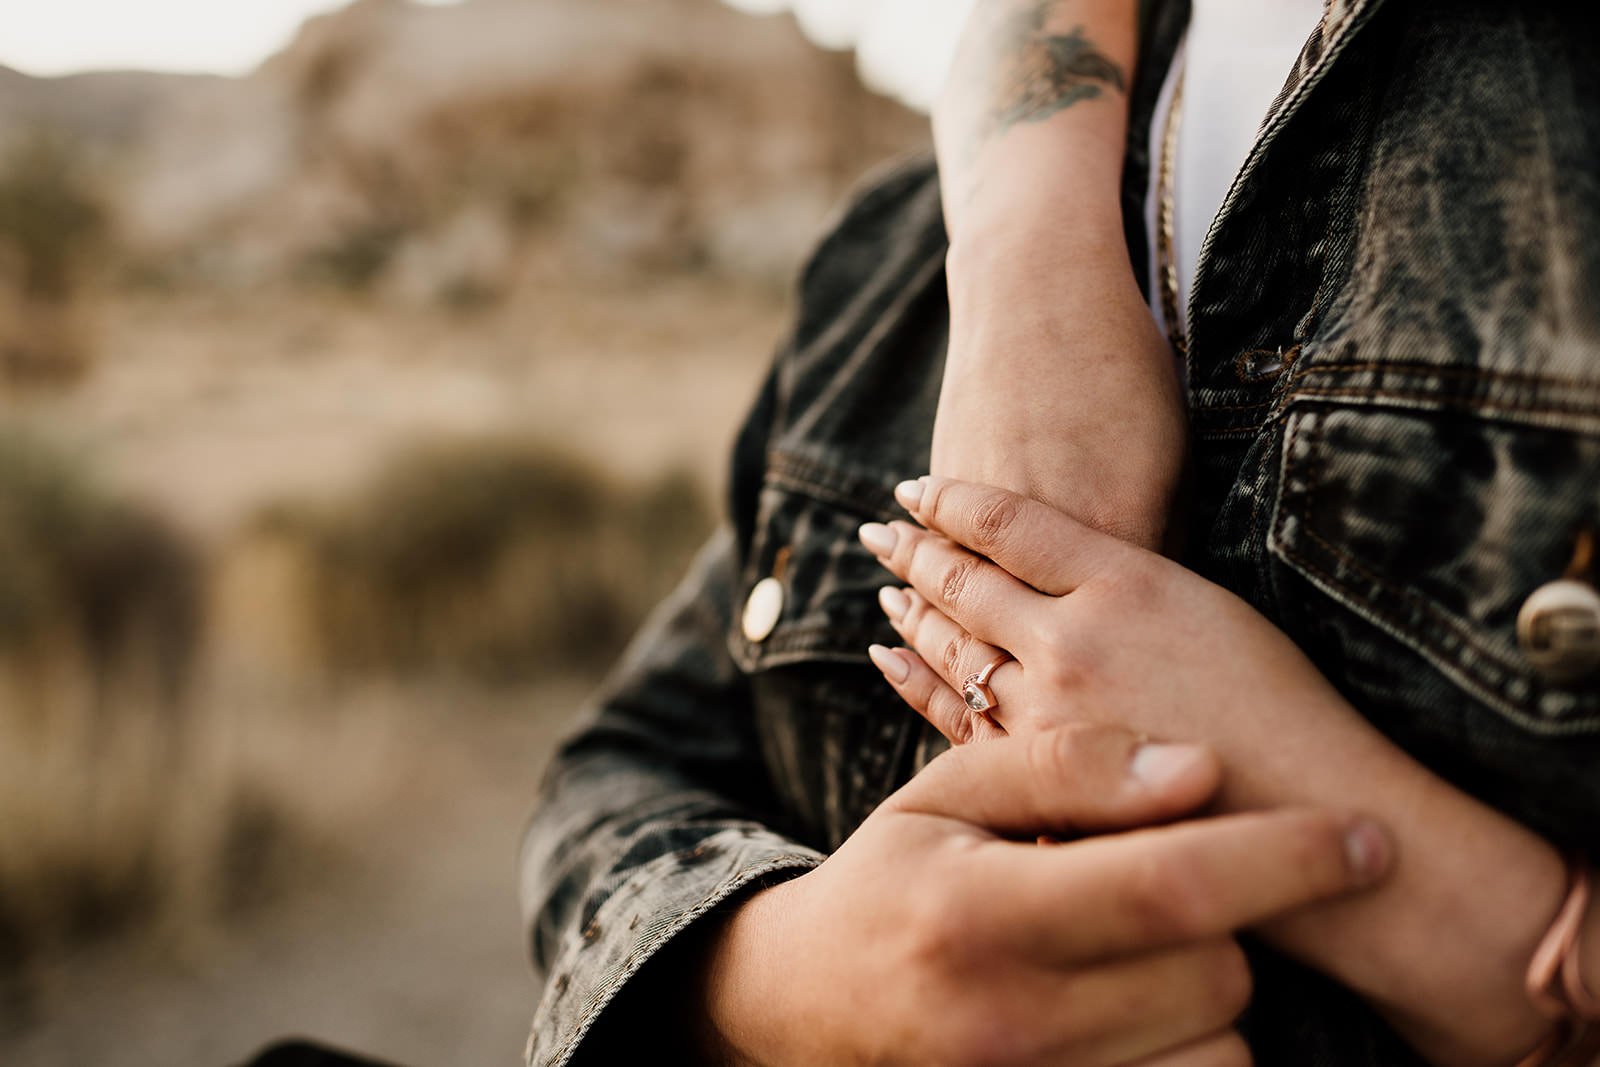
{"type": "Point", "coordinates": [1086, 778]}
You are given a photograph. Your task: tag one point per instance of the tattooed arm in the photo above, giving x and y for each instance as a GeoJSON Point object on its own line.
{"type": "Point", "coordinates": [1058, 384]}
{"type": "Point", "coordinates": [1035, 104]}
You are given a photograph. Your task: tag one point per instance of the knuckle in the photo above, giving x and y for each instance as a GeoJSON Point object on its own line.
{"type": "Point", "coordinates": [1134, 579]}
{"type": "Point", "coordinates": [957, 579]}
{"type": "Point", "coordinates": [957, 653]}
{"type": "Point", "coordinates": [1070, 662]}
{"type": "Point", "coordinates": [992, 520]}
{"type": "Point", "coordinates": [956, 720]}
{"type": "Point", "coordinates": [936, 933]}
{"type": "Point", "coordinates": [1168, 902]}
{"type": "Point", "coordinates": [1229, 981]}
{"type": "Point", "coordinates": [1057, 755]}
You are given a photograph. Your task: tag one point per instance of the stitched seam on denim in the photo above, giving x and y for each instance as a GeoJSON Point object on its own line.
{"type": "Point", "coordinates": [806, 643]}
{"type": "Point", "coordinates": [1448, 399]}
{"type": "Point", "coordinates": [1202, 409]}
{"type": "Point", "coordinates": [1279, 414]}
{"type": "Point", "coordinates": [1487, 688]}
{"type": "Point", "coordinates": [815, 479]}
{"type": "Point", "coordinates": [641, 953]}
{"type": "Point", "coordinates": [1414, 367]}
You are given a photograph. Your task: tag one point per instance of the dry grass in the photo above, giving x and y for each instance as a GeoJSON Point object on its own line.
{"type": "Point", "coordinates": [99, 617]}
{"type": "Point", "coordinates": [492, 559]}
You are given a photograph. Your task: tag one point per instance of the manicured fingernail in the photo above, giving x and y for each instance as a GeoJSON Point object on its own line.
{"type": "Point", "coordinates": [1367, 849]}
{"type": "Point", "coordinates": [893, 667]}
{"type": "Point", "coordinates": [909, 494]}
{"type": "Point", "coordinates": [894, 602]}
{"type": "Point", "coordinates": [878, 538]}
{"type": "Point", "coordinates": [1160, 765]}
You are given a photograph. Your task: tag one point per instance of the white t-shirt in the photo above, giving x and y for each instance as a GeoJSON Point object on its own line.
{"type": "Point", "coordinates": [1235, 59]}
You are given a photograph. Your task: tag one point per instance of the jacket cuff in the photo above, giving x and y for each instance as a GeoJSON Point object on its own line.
{"type": "Point", "coordinates": [651, 907]}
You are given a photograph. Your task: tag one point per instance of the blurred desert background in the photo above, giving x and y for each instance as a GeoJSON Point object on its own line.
{"type": "Point", "coordinates": [352, 412]}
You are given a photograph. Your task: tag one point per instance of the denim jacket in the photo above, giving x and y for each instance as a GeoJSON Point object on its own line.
{"type": "Point", "coordinates": [1394, 385]}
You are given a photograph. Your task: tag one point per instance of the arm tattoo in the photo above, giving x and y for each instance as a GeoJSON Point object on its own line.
{"type": "Point", "coordinates": [1044, 72]}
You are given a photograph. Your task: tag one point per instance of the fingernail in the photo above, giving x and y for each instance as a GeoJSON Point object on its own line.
{"type": "Point", "coordinates": [878, 538]}
{"type": "Point", "coordinates": [893, 667]}
{"type": "Point", "coordinates": [1367, 849]}
{"type": "Point", "coordinates": [894, 602]}
{"type": "Point", "coordinates": [909, 494]}
{"type": "Point", "coordinates": [1160, 765]}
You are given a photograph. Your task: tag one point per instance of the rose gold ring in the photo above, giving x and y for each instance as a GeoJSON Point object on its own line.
{"type": "Point", "coordinates": [975, 687]}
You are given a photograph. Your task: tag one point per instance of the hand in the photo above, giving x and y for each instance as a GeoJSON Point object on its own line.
{"type": "Point", "coordinates": [1059, 386]}
{"type": "Point", "coordinates": [934, 936]}
{"type": "Point", "coordinates": [1100, 631]}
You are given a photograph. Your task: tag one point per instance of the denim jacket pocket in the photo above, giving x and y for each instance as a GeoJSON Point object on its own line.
{"type": "Point", "coordinates": [1432, 514]}
{"type": "Point", "coordinates": [834, 736]}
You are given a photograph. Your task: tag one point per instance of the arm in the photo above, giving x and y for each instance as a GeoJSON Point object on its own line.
{"type": "Point", "coordinates": [1030, 127]}
{"type": "Point", "coordinates": [1441, 949]}
{"type": "Point", "coordinates": [652, 814]}
{"type": "Point", "coordinates": [1055, 365]}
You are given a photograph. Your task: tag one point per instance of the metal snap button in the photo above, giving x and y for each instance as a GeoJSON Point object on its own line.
{"type": "Point", "coordinates": [761, 610]}
{"type": "Point", "coordinates": [1264, 364]}
{"type": "Point", "coordinates": [1559, 630]}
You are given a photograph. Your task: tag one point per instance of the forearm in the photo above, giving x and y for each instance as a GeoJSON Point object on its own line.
{"type": "Point", "coordinates": [1442, 947]}
{"type": "Point", "coordinates": [653, 813]}
{"type": "Point", "coordinates": [1031, 128]}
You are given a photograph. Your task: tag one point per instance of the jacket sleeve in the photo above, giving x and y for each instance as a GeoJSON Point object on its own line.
{"type": "Point", "coordinates": [652, 813]}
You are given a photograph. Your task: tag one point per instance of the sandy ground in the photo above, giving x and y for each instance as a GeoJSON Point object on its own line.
{"type": "Point", "coordinates": [407, 947]}
{"type": "Point", "coordinates": [208, 406]}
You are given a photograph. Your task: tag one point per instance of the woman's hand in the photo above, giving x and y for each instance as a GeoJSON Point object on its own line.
{"type": "Point", "coordinates": [1100, 631]}
{"type": "Point", "coordinates": [935, 935]}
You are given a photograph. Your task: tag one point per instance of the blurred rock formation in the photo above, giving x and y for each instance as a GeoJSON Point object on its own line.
{"type": "Point", "coordinates": [435, 152]}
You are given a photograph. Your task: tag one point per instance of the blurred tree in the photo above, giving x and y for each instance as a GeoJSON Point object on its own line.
{"type": "Point", "coordinates": [50, 216]}
{"type": "Point", "coordinates": [52, 220]}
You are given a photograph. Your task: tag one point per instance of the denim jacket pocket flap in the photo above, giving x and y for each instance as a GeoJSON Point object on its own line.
{"type": "Point", "coordinates": [1436, 526]}
{"type": "Point", "coordinates": [805, 541]}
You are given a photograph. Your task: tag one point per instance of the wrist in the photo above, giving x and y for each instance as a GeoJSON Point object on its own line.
{"type": "Point", "coordinates": [1043, 311]}
{"type": "Point", "coordinates": [1054, 251]}
{"type": "Point", "coordinates": [736, 1010]}
{"type": "Point", "coordinates": [1442, 948]}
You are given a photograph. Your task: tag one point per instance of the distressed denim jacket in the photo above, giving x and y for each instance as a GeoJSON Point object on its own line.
{"type": "Point", "coordinates": [1417, 230]}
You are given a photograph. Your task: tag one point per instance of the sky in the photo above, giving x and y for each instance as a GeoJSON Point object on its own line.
{"type": "Point", "coordinates": [903, 45]}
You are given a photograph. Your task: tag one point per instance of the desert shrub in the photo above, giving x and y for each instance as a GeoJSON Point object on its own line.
{"type": "Point", "coordinates": [355, 259]}
{"type": "Point", "coordinates": [51, 216]}
{"type": "Point", "coordinates": [99, 614]}
{"type": "Point", "coordinates": [81, 565]}
{"type": "Point", "coordinates": [51, 221]}
{"type": "Point", "coordinates": [490, 559]}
